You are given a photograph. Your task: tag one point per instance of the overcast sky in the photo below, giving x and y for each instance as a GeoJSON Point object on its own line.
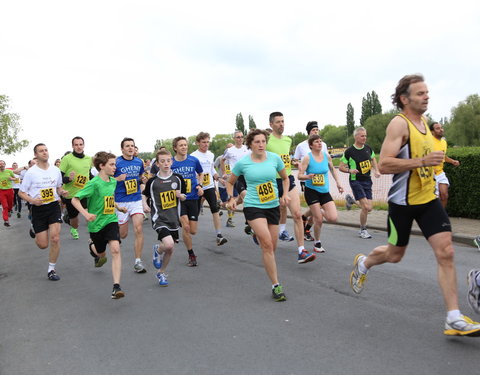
{"type": "Point", "coordinates": [154, 70]}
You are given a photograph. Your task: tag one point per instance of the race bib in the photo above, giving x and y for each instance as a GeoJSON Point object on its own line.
{"type": "Point", "coordinates": [108, 205]}
{"type": "Point", "coordinates": [318, 180]}
{"type": "Point", "coordinates": [425, 174]}
{"type": "Point", "coordinates": [4, 183]}
{"type": "Point", "coordinates": [265, 192]}
{"type": "Point", "coordinates": [17, 180]}
{"type": "Point", "coordinates": [188, 187]}
{"type": "Point", "coordinates": [206, 179]}
{"type": "Point", "coordinates": [168, 199]}
{"type": "Point", "coordinates": [365, 166]}
{"type": "Point", "coordinates": [227, 169]}
{"type": "Point", "coordinates": [80, 181]}
{"type": "Point", "coordinates": [46, 195]}
{"type": "Point", "coordinates": [131, 186]}
{"type": "Point", "coordinates": [286, 160]}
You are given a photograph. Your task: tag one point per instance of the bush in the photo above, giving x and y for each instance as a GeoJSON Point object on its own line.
{"type": "Point", "coordinates": [464, 191]}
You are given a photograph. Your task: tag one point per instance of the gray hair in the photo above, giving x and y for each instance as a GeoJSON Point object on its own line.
{"type": "Point", "coordinates": [358, 130]}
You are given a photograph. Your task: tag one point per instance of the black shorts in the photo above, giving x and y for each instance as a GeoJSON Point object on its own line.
{"type": "Point", "coordinates": [165, 232]}
{"type": "Point", "coordinates": [210, 196]}
{"type": "Point", "coordinates": [361, 189]}
{"type": "Point", "coordinates": [190, 208]}
{"type": "Point", "coordinates": [223, 193]}
{"type": "Point", "coordinates": [109, 232]}
{"type": "Point", "coordinates": [431, 217]}
{"type": "Point", "coordinates": [280, 185]}
{"type": "Point", "coordinates": [312, 196]}
{"type": "Point", "coordinates": [302, 185]}
{"type": "Point", "coordinates": [271, 214]}
{"type": "Point", "coordinates": [241, 184]}
{"type": "Point", "coordinates": [44, 215]}
{"type": "Point", "coordinates": [72, 211]}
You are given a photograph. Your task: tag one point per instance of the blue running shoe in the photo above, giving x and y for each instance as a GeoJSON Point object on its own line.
{"type": "Point", "coordinates": [284, 236]}
{"type": "Point", "coordinates": [305, 257]}
{"type": "Point", "coordinates": [162, 279]}
{"type": "Point", "coordinates": [157, 258]}
{"type": "Point", "coordinates": [254, 238]}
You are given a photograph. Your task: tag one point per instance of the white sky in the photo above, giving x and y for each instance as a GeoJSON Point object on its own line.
{"type": "Point", "coordinates": [156, 69]}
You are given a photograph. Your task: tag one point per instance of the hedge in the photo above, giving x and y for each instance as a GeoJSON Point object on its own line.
{"type": "Point", "coordinates": [464, 191]}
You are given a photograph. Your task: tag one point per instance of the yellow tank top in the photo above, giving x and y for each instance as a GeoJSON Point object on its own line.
{"type": "Point", "coordinates": [439, 145]}
{"type": "Point", "coordinates": [416, 186]}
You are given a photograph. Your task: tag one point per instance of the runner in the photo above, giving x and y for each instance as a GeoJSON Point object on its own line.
{"type": "Point", "coordinates": [160, 197]}
{"type": "Point", "coordinates": [261, 205]}
{"type": "Point", "coordinates": [188, 167]}
{"type": "Point", "coordinates": [208, 183]}
{"type": "Point", "coordinates": [358, 160]}
{"type": "Point", "coordinates": [473, 297]}
{"type": "Point", "coordinates": [407, 152]}
{"type": "Point", "coordinates": [314, 170]}
{"type": "Point", "coordinates": [222, 190]}
{"type": "Point", "coordinates": [75, 168]}
{"type": "Point", "coordinates": [6, 192]}
{"type": "Point", "coordinates": [101, 217]}
{"type": "Point", "coordinates": [280, 145]}
{"type": "Point", "coordinates": [441, 180]}
{"type": "Point", "coordinates": [41, 187]}
{"type": "Point", "coordinates": [128, 173]}
{"type": "Point", "coordinates": [17, 201]}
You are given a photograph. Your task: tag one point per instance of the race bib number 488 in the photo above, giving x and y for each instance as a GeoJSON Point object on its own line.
{"type": "Point", "coordinates": [265, 192]}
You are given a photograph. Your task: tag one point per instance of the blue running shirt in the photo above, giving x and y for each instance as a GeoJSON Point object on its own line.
{"type": "Point", "coordinates": [188, 169]}
{"type": "Point", "coordinates": [128, 190]}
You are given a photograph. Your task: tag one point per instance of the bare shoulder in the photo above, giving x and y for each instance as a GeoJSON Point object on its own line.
{"type": "Point", "coordinates": [397, 128]}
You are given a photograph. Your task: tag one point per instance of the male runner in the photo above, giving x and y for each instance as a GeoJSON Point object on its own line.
{"type": "Point", "coordinates": [128, 173]}
{"type": "Point", "coordinates": [6, 192]}
{"type": "Point", "coordinates": [75, 168]}
{"type": "Point", "coordinates": [407, 152]}
{"type": "Point", "coordinates": [41, 187]}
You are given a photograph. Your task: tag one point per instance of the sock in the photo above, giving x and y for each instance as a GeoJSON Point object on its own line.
{"type": "Point", "coordinates": [362, 227]}
{"type": "Point", "coordinates": [300, 249]}
{"type": "Point", "coordinates": [282, 227]}
{"type": "Point", "coordinates": [361, 267]}
{"type": "Point", "coordinates": [230, 214]}
{"type": "Point", "coordinates": [219, 232]}
{"type": "Point", "coordinates": [137, 260]}
{"type": "Point", "coordinates": [190, 252]}
{"type": "Point", "coordinates": [51, 266]}
{"type": "Point", "coordinates": [307, 227]}
{"type": "Point", "coordinates": [453, 315]}
{"type": "Point", "coordinates": [275, 285]}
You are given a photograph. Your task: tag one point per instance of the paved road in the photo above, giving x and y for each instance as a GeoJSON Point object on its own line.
{"type": "Point", "coordinates": [218, 318]}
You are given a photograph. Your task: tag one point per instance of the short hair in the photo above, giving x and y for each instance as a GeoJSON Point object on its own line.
{"type": "Point", "coordinates": [252, 134]}
{"type": "Point", "coordinates": [312, 139]}
{"type": "Point", "coordinates": [202, 135]}
{"type": "Point", "coordinates": [102, 158]}
{"type": "Point", "coordinates": [432, 125]}
{"type": "Point", "coordinates": [37, 145]}
{"type": "Point", "coordinates": [176, 140]}
{"type": "Point", "coordinates": [403, 88]}
{"type": "Point", "coordinates": [237, 131]}
{"type": "Point", "coordinates": [30, 162]}
{"type": "Point", "coordinates": [358, 130]}
{"type": "Point", "coordinates": [273, 115]}
{"type": "Point", "coordinates": [77, 137]}
{"type": "Point", "coordinates": [164, 152]}
{"type": "Point", "coordinates": [126, 139]}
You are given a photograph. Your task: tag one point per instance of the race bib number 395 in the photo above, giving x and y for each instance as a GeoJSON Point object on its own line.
{"type": "Point", "coordinates": [46, 195]}
{"type": "Point", "coordinates": [131, 186]}
{"type": "Point", "coordinates": [265, 192]}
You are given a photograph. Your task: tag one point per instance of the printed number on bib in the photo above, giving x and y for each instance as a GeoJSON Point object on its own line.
{"type": "Point", "coordinates": [80, 181]}
{"type": "Point", "coordinates": [17, 181]}
{"type": "Point", "coordinates": [46, 195]}
{"type": "Point", "coordinates": [168, 199]}
{"type": "Point", "coordinates": [365, 166]}
{"type": "Point", "coordinates": [4, 183]}
{"type": "Point", "coordinates": [131, 186]}
{"type": "Point", "coordinates": [206, 179]}
{"type": "Point", "coordinates": [265, 192]}
{"type": "Point", "coordinates": [227, 169]}
{"type": "Point", "coordinates": [318, 179]}
{"type": "Point", "coordinates": [286, 160]}
{"type": "Point", "coordinates": [188, 187]}
{"type": "Point", "coordinates": [108, 205]}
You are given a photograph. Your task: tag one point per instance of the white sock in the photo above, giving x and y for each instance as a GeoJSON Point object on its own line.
{"type": "Point", "coordinates": [275, 285]}
{"type": "Point", "coordinates": [361, 267]}
{"type": "Point", "coordinates": [219, 232]}
{"type": "Point", "coordinates": [137, 260]}
{"type": "Point", "coordinates": [453, 315]}
{"type": "Point", "coordinates": [282, 227]}
{"type": "Point", "coordinates": [51, 266]}
{"type": "Point", "coordinates": [300, 249]}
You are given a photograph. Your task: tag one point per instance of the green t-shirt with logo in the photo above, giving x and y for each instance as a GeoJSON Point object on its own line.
{"type": "Point", "coordinates": [101, 202]}
{"type": "Point", "coordinates": [281, 147]}
{"type": "Point", "coordinates": [81, 167]}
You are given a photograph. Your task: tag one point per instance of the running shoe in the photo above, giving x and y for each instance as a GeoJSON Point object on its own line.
{"type": "Point", "coordinates": [221, 240]}
{"type": "Point", "coordinates": [31, 232]}
{"type": "Point", "coordinates": [305, 257]}
{"type": "Point", "coordinates": [52, 275]}
{"type": "Point", "coordinates": [318, 247]}
{"type": "Point", "coordinates": [284, 236]}
{"type": "Point", "coordinates": [139, 267]}
{"type": "Point", "coordinates": [255, 239]}
{"type": "Point", "coordinates": [357, 279]}
{"type": "Point", "coordinates": [307, 236]}
{"type": "Point", "coordinates": [157, 258]}
{"type": "Point", "coordinates": [476, 241]}
{"type": "Point", "coordinates": [100, 261]}
{"type": "Point", "coordinates": [248, 230]}
{"type": "Point", "coordinates": [19, 215]}
{"type": "Point", "coordinates": [192, 261]}
{"type": "Point", "coordinates": [473, 290]}
{"type": "Point", "coordinates": [74, 233]}
{"type": "Point", "coordinates": [277, 294]}
{"type": "Point", "coordinates": [6, 223]}
{"type": "Point", "coordinates": [220, 213]}
{"type": "Point", "coordinates": [162, 279]}
{"type": "Point", "coordinates": [65, 217]}
{"type": "Point", "coordinates": [462, 326]}
{"type": "Point", "coordinates": [230, 223]}
{"type": "Point", "coordinates": [363, 233]}
{"type": "Point", "coordinates": [117, 292]}
{"type": "Point", "coordinates": [349, 202]}
{"type": "Point", "coordinates": [90, 248]}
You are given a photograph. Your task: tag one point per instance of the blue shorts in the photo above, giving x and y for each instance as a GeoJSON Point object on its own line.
{"type": "Point", "coordinates": [361, 189]}
{"type": "Point", "coordinates": [224, 195]}
{"type": "Point", "coordinates": [291, 180]}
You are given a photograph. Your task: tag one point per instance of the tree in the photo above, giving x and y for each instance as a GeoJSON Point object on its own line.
{"type": "Point", "coordinates": [370, 106]}
{"type": "Point", "coordinates": [296, 139]}
{"type": "Point", "coordinates": [218, 144]}
{"type": "Point", "coordinates": [334, 136]}
{"type": "Point", "coordinates": [167, 143]}
{"type": "Point", "coordinates": [464, 126]}
{"type": "Point", "coordinates": [350, 119]}
{"type": "Point", "coordinates": [240, 124]}
{"type": "Point", "coordinates": [376, 126]}
{"type": "Point", "coordinates": [251, 123]}
{"type": "Point", "coordinates": [9, 129]}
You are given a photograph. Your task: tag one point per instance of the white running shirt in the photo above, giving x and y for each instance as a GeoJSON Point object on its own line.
{"type": "Point", "coordinates": [303, 149]}
{"type": "Point", "coordinates": [207, 163]}
{"type": "Point", "coordinates": [232, 155]}
{"type": "Point", "coordinates": [41, 183]}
